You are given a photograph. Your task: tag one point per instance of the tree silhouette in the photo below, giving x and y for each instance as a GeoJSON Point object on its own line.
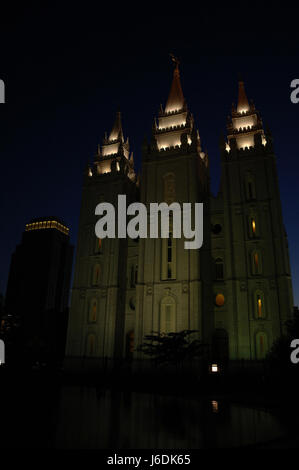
{"type": "Point", "coordinates": [172, 348]}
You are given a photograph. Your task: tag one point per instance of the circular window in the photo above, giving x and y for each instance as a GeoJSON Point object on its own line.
{"type": "Point", "coordinates": [132, 303]}
{"type": "Point", "coordinates": [219, 300]}
{"type": "Point", "coordinates": [216, 229]}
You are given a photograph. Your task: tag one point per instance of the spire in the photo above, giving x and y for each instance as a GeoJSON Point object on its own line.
{"type": "Point", "coordinates": [244, 125]}
{"type": "Point", "coordinates": [243, 104]}
{"type": "Point", "coordinates": [176, 98]}
{"type": "Point", "coordinates": [117, 131]}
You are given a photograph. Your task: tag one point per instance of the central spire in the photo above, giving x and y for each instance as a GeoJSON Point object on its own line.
{"type": "Point", "coordinates": [176, 98]}
{"type": "Point", "coordinates": [175, 129]}
{"type": "Point", "coordinates": [243, 105]}
{"type": "Point", "coordinates": [117, 131]}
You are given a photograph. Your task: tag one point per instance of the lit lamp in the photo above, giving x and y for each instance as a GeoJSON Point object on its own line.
{"type": "Point", "coordinates": [215, 406]}
{"type": "Point", "coordinates": [214, 368]}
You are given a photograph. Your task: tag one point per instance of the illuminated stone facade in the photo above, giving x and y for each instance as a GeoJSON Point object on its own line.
{"type": "Point", "coordinates": [236, 290]}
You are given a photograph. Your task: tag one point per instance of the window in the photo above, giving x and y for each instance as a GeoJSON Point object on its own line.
{"type": "Point", "coordinates": [169, 256]}
{"type": "Point", "coordinates": [132, 279]}
{"type": "Point", "coordinates": [250, 187]}
{"type": "Point", "coordinates": [219, 300]}
{"type": "Point", "coordinates": [259, 303]}
{"type": "Point", "coordinates": [216, 229]}
{"type": "Point", "coordinates": [261, 345]}
{"type": "Point", "coordinates": [169, 188]}
{"type": "Point", "coordinates": [93, 309]}
{"type": "Point", "coordinates": [219, 269]}
{"type": "Point", "coordinates": [96, 275]}
{"type": "Point", "coordinates": [168, 266]}
{"type": "Point", "coordinates": [130, 344]}
{"type": "Point", "coordinates": [168, 315]}
{"type": "Point", "coordinates": [98, 245]}
{"type": "Point", "coordinates": [133, 275]}
{"type": "Point", "coordinates": [253, 226]}
{"type": "Point", "coordinates": [256, 262]}
{"type": "Point", "coordinates": [91, 345]}
{"type": "Point", "coordinates": [259, 306]}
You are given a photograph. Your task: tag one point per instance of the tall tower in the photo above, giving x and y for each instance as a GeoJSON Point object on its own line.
{"type": "Point", "coordinates": [97, 313]}
{"type": "Point", "coordinates": [38, 286]}
{"type": "Point", "coordinates": [250, 248]}
{"type": "Point", "coordinates": [172, 283]}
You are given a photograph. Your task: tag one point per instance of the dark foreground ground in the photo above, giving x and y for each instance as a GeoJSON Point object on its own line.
{"type": "Point", "coordinates": [49, 409]}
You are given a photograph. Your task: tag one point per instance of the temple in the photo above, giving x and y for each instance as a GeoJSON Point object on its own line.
{"type": "Point", "coordinates": [235, 291]}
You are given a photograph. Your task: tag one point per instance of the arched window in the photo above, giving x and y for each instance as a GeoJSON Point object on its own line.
{"type": "Point", "coordinates": [133, 275]}
{"type": "Point", "coordinates": [168, 315]}
{"type": "Point", "coordinates": [98, 245]}
{"type": "Point", "coordinates": [169, 188]}
{"type": "Point", "coordinates": [130, 344]}
{"type": "Point", "coordinates": [91, 345]}
{"type": "Point", "coordinates": [253, 226]}
{"type": "Point", "coordinates": [93, 311]}
{"type": "Point", "coordinates": [168, 265]}
{"type": "Point", "coordinates": [256, 262]}
{"type": "Point", "coordinates": [261, 345]}
{"type": "Point", "coordinates": [96, 275]}
{"type": "Point", "coordinates": [259, 304]}
{"type": "Point", "coordinates": [219, 269]}
{"type": "Point", "coordinates": [250, 187]}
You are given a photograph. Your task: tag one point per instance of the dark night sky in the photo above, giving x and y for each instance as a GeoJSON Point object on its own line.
{"type": "Point", "coordinates": [67, 69]}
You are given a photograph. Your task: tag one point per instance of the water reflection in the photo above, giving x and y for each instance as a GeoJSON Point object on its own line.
{"type": "Point", "coordinates": [92, 419]}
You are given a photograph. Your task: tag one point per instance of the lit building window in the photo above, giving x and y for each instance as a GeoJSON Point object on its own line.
{"type": "Point", "coordinates": [259, 306]}
{"type": "Point", "coordinates": [256, 263]}
{"type": "Point", "coordinates": [215, 407]}
{"type": "Point", "coordinates": [96, 275]}
{"type": "Point", "coordinates": [261, 345]}
{"type": "Point", "coordinates": [98, 245]}
{"type": "Point", "coordinates": [46, 225]}
{"type": "Point", "coordinates": [219, 300]}
{"type": "Point", "coordinates": [93, 311]}
{"type": "Point", "coordinates": [214, 368]}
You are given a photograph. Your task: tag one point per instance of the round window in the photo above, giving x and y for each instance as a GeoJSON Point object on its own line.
{"type": "Point", "coordinates": [216, 229]}
{"type": "Point", "coordinates": [219, 300]}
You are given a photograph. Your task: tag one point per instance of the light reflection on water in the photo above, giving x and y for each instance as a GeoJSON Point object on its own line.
{"type": "Point", "coordinates": [91, 419]}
